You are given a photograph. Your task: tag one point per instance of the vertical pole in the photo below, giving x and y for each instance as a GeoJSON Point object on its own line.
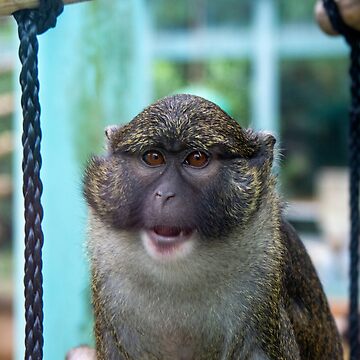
{"type": "Point", "coordinates": [265, 98]}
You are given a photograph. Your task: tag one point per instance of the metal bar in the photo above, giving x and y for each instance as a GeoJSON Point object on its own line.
{"type": "Point", "coordinates": [291, 42]}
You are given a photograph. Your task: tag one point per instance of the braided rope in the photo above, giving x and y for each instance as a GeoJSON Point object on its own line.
{"type": "Point", "coordinates": [30, 24]}
{"type": "Point", "coordinates": [352, 37]}
{"type": "Point", "coordinates": [32, 189]}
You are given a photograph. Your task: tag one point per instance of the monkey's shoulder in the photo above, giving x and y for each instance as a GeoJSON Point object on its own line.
{"type": "Point", "coordinates": [301, 284]}
{"type": "Point", "coordinates": [299, 269]}
{"type": "Point", "coordinates": [305, 301]}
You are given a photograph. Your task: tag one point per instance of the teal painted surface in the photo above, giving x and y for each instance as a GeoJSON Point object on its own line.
{"type": "Point", "coordinates": [88, 74]}
{"type": "Point", "coordinates": [66, 298]}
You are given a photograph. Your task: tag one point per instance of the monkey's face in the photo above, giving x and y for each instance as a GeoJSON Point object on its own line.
{"type": "Point", "coordinates": [181, 174]}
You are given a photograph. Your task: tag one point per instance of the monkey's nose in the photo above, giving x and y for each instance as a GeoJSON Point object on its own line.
{"type": "Point", "coordinates": [164, 195]}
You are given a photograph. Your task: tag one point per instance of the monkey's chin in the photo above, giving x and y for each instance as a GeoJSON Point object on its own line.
{"type": "Point", "coordinates": [165, 246]}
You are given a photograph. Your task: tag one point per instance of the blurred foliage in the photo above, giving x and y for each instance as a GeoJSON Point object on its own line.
{"type": "Point", "coordinates": [6, 82]}
{"type": "Point", "coordinates": [5, 222]}
{"type": "Point", "coordinates": [6, 122]}
{"type": "Point", "coordinates": [6, 86]}
{"type": "Point", "coordinates": [5, 264]}
{"type": "Point", "coordinates": [293, 11]}
{"type": "Point", "coordinates": [174, 15]}
{"type": "Point", "coordinates": [6, 27]}
{"type": "Point", "coordinates": [228, 78]}
{"type": "Point", "coordinates": [314, 120]}
{"type": "Point", "coordinates": [6, 276]}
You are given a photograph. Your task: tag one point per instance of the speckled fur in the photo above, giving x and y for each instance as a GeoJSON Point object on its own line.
{"type": "Point", "coordinates": [247, 291]}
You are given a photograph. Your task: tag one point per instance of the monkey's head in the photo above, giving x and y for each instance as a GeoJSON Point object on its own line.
{"type": "Point", "coordinates": [180, 174]}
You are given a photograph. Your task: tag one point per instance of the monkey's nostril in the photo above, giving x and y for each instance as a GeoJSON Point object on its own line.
{"type": "Point", "coordinates": [169, 195]}
{"type": "Point", "coordinates": [165, 196]}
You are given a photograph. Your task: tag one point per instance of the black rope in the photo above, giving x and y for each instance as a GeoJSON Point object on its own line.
{"type": "Point", "coordinates": [30, 24]}
{"type": "Point", "coordinates": [352, 37]}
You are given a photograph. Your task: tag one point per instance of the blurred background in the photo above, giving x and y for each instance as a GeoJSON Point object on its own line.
{"type": "Point", "coordinates": [265, 62]}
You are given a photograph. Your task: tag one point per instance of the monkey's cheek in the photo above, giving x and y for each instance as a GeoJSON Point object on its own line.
{"type": "Point", "coordinates": [168, 250]}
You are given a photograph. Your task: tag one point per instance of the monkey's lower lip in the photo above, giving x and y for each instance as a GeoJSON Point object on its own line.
{"type": "Point", "coordinates": [172, 232]}
{"type": "Point", "coordinates": [165, 241]}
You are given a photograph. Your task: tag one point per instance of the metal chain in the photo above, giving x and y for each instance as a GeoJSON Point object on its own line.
{"type": "Point", "coordinates": [30, 24]}
{"type": "Point", "coordinates": [352, 37]}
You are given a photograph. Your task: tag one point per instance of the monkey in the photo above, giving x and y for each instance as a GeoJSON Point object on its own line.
{"type": "Point", "coordinates": [191, 256]}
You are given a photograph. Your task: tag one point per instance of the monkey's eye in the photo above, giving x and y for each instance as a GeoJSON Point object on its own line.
{"type": "Point", "coordinates": [197, 159]}
{"type": "Point", "coordinates": [153, 158]}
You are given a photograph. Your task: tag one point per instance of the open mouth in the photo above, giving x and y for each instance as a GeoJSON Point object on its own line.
{"type": "Point", "coordinates": [168, 242]}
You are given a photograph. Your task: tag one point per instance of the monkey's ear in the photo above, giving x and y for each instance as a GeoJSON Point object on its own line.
{"type": "Point", "coordinates": [268, 141]}
{"type": "Point", "coordinates": [110, 131]}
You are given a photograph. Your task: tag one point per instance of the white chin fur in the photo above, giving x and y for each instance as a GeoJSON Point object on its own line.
{"type": "Point", "coordinates": [180, 251]}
